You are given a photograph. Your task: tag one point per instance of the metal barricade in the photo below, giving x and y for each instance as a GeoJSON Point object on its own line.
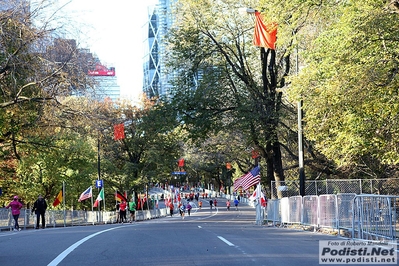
{"type": "Point", "coordinates": [295, 209]}
{"type": "Point", "coordinates": [285, 210]}
{"type": "Point", "coordinates": [273, 211]}
{"type": "Point", "coordinates": [328, 211]}
{"type": "Point", "coordinates": [345, 210]}
{"type": "Point", "coordinates": [310, 210]}
{"type": "Point", "coordinates": [375, 217]}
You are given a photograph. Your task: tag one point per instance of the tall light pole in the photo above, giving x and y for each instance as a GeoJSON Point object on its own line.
{"type": "Point", "coordinates": [300, 140]}
{"type": "Point", "coordinates": [300, 112]}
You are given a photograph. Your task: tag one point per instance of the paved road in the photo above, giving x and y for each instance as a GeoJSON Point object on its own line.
{"type": "Point", "coordinates": [217, 237]}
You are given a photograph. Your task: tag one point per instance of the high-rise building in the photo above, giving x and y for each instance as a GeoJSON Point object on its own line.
{"type": "Point", "coordinates": [156, 80]}
{"type": "Point", "coordinates": [106, 86]}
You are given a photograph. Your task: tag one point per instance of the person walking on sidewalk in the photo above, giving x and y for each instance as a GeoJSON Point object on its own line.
{"type": "Point", "coordinates": [40, 207]}
{"type": "Point", "coordinates": [16, 207]}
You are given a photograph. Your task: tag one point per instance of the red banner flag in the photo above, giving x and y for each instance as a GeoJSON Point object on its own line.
{"type": "Point", "coordinates": [58, 199]}
{"type": "Point", "coordinates": [180, 162]}
{"type": "Point", "coordinates": [265, 35]}
{"type": "Point", "coordinates": [119, 131]}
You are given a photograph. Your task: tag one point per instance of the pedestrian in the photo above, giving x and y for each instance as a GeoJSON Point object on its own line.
{"type": "Point", "coordinates": [171, 207]}
{"type": "Point", "coordinates": [122, 210]}
{"type": "Point", "coordinates": [132, 210]}
{"type": "Point", "coordinates": [189, 209]}
{"type": "Point", "coordinates": [117, 212]}
{"type": "Point", "coordinates": [16, 207]}
{"type": "Point", "coordinates": [40, 207]}
{"type": "Point", "coordinates": [182, 210]}
{"type": "Point", "coordinates": [236, 203]}
{"type": "Point", "coordinates": [228, 204]}
{"type": "Point", "coordinates": [211, 203]}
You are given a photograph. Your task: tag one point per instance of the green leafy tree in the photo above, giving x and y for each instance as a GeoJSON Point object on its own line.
{"type": "Point", "coordinates": [349, 84]}
{"type": "Point", "coordinates": [32, 82]}
{"type": "Point", "coordinates": [236, 90]}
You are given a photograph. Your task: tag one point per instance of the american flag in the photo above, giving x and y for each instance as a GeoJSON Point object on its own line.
{"type": "Point", "coordinates": [251, 179]}
{"type": "Point", "coordinates": [248, 180]}
{"type": "Point", "coordinates": [86, 194]}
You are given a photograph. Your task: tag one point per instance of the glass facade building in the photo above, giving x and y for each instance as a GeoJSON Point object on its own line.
{"type": "Point", "coordinates": [156, 79]}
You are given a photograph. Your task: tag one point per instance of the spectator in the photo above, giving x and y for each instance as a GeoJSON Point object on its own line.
{"type": "Point", "coordinates": [118, 212]}
{"type": "Point", "coordinates": [132, 210]}
{"type": "Point", "coordinates": [40, 207]}
{"type": "Point", "coordinates": [171, 207]}
{"type": "Point", "coordinates": [122, 210]}
{"type": "Point", "coordinates": [15, 211]}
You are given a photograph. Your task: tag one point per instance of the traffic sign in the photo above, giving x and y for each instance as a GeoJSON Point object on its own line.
{"type": "Point", "coordinates": [99, 183]}
{"type": "Point", "coordinates": [179, 173]}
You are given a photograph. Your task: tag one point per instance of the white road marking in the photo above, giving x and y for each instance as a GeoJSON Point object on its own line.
{"type": "Point", "coordinates": [226, 241]}
{"type": "Point", "coordinates": [66, 252]}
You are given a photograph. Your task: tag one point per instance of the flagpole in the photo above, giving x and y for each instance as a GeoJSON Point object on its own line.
{"type": "Point", "coordinates": [63, 201]}
{"type": "Point", "coordinates": [104, 197]}
{"type": "Point", "coordinates": [92, 210]}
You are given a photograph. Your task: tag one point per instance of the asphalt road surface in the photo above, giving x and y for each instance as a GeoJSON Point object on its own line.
{"type": "Point", "coordinates": [217, 237]}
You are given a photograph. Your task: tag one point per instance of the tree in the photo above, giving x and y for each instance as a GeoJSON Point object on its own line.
{"type": "Point", "coordinates": [349, 87]}
{"type": "Point", "coordinates": [236, 90]}
{"type": "Point", "coordinates": [33, 84]}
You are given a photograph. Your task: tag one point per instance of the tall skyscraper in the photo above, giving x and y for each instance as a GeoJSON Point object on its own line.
{"type": "Point", "coordinates": [156, 80]}
{"type": "Point", "coordinates": [106, 86]}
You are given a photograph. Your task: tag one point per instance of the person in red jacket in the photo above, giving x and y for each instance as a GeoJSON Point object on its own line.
{"type": "Point", "coordinates": [122, 209]}
{"type": "Point", "coordinates": [16, 207]}
{"type": "Point", "coordinates": [171, 207]}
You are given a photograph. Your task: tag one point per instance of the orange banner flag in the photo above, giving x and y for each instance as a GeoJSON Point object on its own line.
{"type": "Point", "coordinates": [265, 35]}
{"type": "Point", "coordinates": [119, 131]}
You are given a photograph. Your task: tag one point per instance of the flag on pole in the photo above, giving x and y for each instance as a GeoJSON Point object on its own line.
{"type": "Point", "coordinates": [180, 162]}
{"type": "Point", "coordinates": [248, 180]}
{"type": "Point", "coordinates": [58, 199]}
{"type": "Point", "coordinates": [237, 183]}
{"type": "Point", "coordinates": [119, 131]}
{"type": "Point", "coordinates": [252, 178]}
{"type": "Point", "coordinates": [265, 35]}
{"type": "Point", "coordinates": [257, 194]}
{"type": "Point", "coordinates": [100, 197]}
{"type": "Point", "coordinates": [139, 205]}
{"type": "Point", "coordinates": [119, 196]}
{"type": "Point", "coordinates": [86, 194]}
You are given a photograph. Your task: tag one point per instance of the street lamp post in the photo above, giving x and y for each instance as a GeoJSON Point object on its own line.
{"type": "Point", "coordinates": [300, 140]}
{"type": "Point", "coordinates": [300, 111]}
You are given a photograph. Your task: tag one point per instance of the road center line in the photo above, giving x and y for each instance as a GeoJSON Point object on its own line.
{"type": "Point", "coordinates": [66, 252]}
{"type": "Point", "coordinates": [226, 241]}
